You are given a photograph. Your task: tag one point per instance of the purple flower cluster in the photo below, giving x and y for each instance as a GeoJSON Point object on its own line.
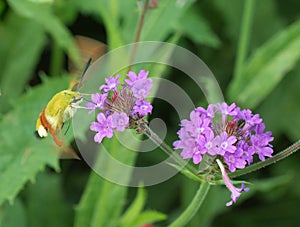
{"type": "Point", "coordinates": [120, 104]}
{"type": "Point", "coordinates": [225, 132]}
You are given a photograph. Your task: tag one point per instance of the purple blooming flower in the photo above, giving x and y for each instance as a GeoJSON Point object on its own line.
{"type": "Point", "coordinates": [235, 160]}
{"type": "Point", "coordinates": [119, 121]}
{"type": "Point", "coordinates": [225, 143]}
{"type": "Point", "coordinates": [141, 88]}
{"type": "Point", "coordinates": [103, 127]}
{"type": "Point", "coordinates": [235, 192]}
{"type": "Point", "coordinates": [133, 77]}
{"type": "Point", "coordinates": [224, 132]}
{"type": "Point", "coordinates": [98, 101]}
{"type": "Point", "coordinates": [121, 105]}
{"type": "Point", "coordinates": [111, 83]}
{"type": "Point", "coordinates": [142, 108]}
{"type": "Point", "coordinates": [139, 84]}
{"type": "Point", "coordinates": [226, 110]}
{"type": "Point", "coordinates": [260, 146]}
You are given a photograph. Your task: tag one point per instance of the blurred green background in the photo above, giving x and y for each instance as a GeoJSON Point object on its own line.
{"type": "Point", "coordinates": [253, 49]}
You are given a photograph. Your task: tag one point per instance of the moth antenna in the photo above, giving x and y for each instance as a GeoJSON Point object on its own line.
{"type": "Point", "coordinates": [83, 75]}
{"type": "Point", "coordinates": [85, 94]}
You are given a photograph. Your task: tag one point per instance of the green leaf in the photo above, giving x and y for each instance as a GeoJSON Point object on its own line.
{"type": "Point", "coordinates": [109, 12]}
{"type": "Point", "coordinates": [160, 21]}
{"type": "Point", "coordinates": [41, 208]}
{"type": "Point", "coordinates": [194, 26]}
{"type": "Point", "coordinates": [149, 217]}
{"type": "Point", "coordinates": [22, 155]}
{"type": "Point", "coordinates": [287, 120]}
{"type": "Point", "coordinates": [13, 215]}
{"type": "Point", "coordinates": [102, 195]}
{"type": "Point", "coordinates": [2, 7]}
{"type": "Point", "coordinates": [21, 44]}
{"type": "Point", "coordinates": [44, 15]}
{"type": "Point", "coordinates": [266, 67]}
{"type": "Point", "coordinates": [135, 208]}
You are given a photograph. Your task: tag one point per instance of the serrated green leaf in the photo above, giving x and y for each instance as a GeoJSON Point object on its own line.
{"type": "Point", "coordinates": [44, 15]}
{"type": "Point", "coordinates": [20, 47]}
{"type": "Point", "coordinates": [266, 67]}
{"type": "Point", "coordinates": [22, 155]}
{"type": "Point", "coordinates": [135, 208]}
{"type": "Point", "coordinates": [148, 217]}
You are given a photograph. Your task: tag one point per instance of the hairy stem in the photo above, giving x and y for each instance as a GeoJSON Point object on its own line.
{"type": "Point", "coordinates": [281, 155]}
{"type": "Point", "coordinates": [165, 147]}
{"type": "Point", "coordinates": [193, 207]}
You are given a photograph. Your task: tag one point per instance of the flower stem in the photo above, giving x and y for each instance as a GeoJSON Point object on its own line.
{"type": "Point", "coordinates": [57, 58]}
{"type": "Point", "coordinates": [165, 147]}
{"type": "Point", "coordinates": [281, 155]}
{"type": "Point", "coordinates": [194, 206]}
{"type": "Point", "coordinates": [138, 33]}
{"type": "Point", "coordinates": [244, 36]}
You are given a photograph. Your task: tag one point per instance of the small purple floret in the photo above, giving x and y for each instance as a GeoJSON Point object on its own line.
{"type": "Point", "coordinates": [142, 108]}
{"type": "Point", "coordinates": [98, 101]}
{"type": "Point", "coordinates": [141, 88]}
{"type": "Point", "coordinates": [103, 127]}
{"type": "Point", "coordinates": [119, 121]}
{"type": "Point", "coordinates": [111, 83]}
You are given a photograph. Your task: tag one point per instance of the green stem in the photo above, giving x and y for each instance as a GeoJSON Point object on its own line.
{"type": "Point", "coordinates": [244, 37]}
{"type": "Point", "coordinates": [138, 33]}
{"type": "Point", "coordinates": [56, 63]}
{"type": "Point", "coordinates": [165, 147]}
{"type": "Point", "coordinates": [194, 206]}
{"type": "Point", "coordinates": [283, 154]}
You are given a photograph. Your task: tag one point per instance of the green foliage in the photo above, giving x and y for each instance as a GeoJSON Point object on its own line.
{"type": "Point", "coordinates": [42, 198]}
{"type": "Point", "coordinates": [13, 215]}
{"type": "Point", "coordinates": [266, 68]}
{"type": "Point", "coordinates": [135, 208]}
{"type": "Point", "coordinates": [42, 13]}
{"type": "Point", "coordinates": [285, 113]}
{"type": "Point", "coordinates": [194, 25]}
{"type": "Point", "coordinates": [22, 154]}
{"type": "Point", "coordinates": [134, 216]}
{"type": "Point", "coordinates": [16, 66]}
{"type": "Point", "coordinates": [31, 30]}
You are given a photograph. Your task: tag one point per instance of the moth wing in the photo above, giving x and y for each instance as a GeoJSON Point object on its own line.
{"type": "Point", "coordinates": [55, 120]}
{"type": "Point", "coordinates": [88, 48]}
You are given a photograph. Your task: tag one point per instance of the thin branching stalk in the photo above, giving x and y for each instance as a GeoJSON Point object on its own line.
{"type": "Point", "coordinates": [165, 147]}
{"type": "Point", "coordinates": [281, 155]}
{"type": "Point", "coordinates": [138, 33]}
{"type": "Point", "coordinates": [193, 207]}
